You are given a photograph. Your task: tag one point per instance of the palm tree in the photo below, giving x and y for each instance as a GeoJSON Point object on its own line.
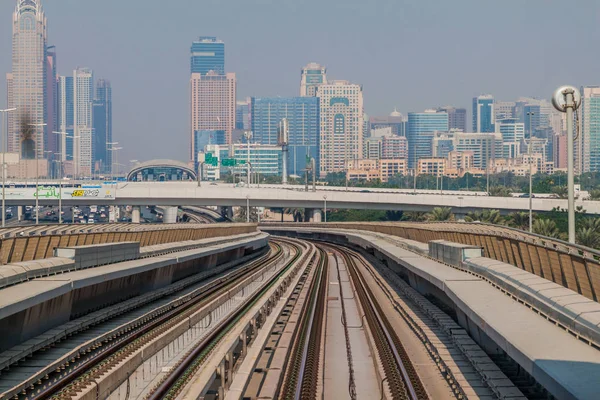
{"type": "Point", "coordinates": [546, 227]}
{"type": "Point", "coordinates": [561, 191]}
{"type": "Point", "coordinates": [595, 194]}
{"type": "Point", "coordinates": [500, 191]}
{"type": "Point", "coordinates": [486, 216]}
{"type": "Point", "coordinates": [441, 214]}
{"type": "Point", "coordinates": [588, 237]}
{"type": "Point", "coordinates": [519, 220]}
{"type": "Point", "coordinates": [415, 216]}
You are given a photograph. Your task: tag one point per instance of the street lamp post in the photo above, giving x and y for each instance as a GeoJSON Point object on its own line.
{"type": "Point", "coordinates": [530, 114]}
{"type": "Point", "coordinates": [247, 209]}
{"type": "Point", "coordinates": [567, 99]}
{"type": "Point", "coordinates": [4, 138]}
{"type": "Point", "coordinates": [37, 174]}
{"type": "Point", "coordinates": [325, 207]}
{"type": "Point", "coordinates": [248, 137]}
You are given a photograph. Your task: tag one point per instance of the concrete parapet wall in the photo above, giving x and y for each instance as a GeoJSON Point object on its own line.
{"type": "Point", "coordinates": [559, 361]}
{"type": "Point", "coordinates": [99, 254]}
{"type": "Point", "coordinates": [574, 267]}
{"type": "Point", "coordinates": [17, 249]}
{"type": "Point", "coordinates": [33, 307]}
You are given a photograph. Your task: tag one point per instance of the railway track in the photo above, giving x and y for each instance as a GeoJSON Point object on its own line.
{"type": "Point", "coordinates": [174, 382]}
{"type": "Point", "coordinates": [81, 370]}
{"type": "Point", "coordinates": [302, 375]}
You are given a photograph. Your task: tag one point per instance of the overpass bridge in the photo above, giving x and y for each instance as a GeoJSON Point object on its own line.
{"type": "Point", "coordinates": [278, 196]}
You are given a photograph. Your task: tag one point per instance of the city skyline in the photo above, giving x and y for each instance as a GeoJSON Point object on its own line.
{"type": "Point", "coordinates": [411, 91]}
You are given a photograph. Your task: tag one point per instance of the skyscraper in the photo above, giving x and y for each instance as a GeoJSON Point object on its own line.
{"type": "Point", "coordinates": [302, 114]}
{"type": "Point", "coordinates": [212, 92]}
{"type": "Point", "coordinates": [51, 103]}
{"type": "Point", "coordinates": [484, 116]}
{"type": "Point", "coordinates": [27, 90]}
{"type": "Point", "coordinates": [102, 123]}
{"type": "Point", "coordinates": [313, 75]}
{"type": "Point", "coordinates": [513, 133]}
{"type": "Point", "coordinates": [341, 108]}
{"type": "Point", "coordinates": [66, 116]}
{"type": "Point", "coordinates": [420, 132]}
{"type": "Point", "coordinates": [83, 96]}
{"type": "Point", "coordinates": [243, 115]}
{"type": "Point", "coordinates": [457, 117]}
{"type": "Point", "coordinates": [212, 100]}
{"type": "Point", "coordinates": [590, 129]}
{"type": "Point", "coordinates": [207, 54]}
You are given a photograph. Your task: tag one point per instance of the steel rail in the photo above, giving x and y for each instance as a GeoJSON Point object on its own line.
{"type": "Point", "coordinates": [174, 382]}
{"type": "Point", "coordinates": [217, 286]}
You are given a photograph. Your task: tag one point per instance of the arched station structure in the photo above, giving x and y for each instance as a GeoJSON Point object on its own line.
{"type": "Point", "coordinates": [161, 171]}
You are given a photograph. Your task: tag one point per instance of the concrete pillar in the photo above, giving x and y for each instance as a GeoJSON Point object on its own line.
{"type": "Point", "coordinates": [226, 211]}
{"type": "Point", "coordinates": [135, 215]}
{"type": "Point", "coordinates": [308, 212]}
{"type": "Point", "coordinates": [316, 215]}
{"type": "Point", "coordinates": [170, 215]}
{"type": "Point", "coordinates": [20, 213]}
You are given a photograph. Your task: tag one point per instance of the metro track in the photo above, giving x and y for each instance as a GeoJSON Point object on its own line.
{"type": "Point", "coordinates": [79, 371]}
{"type": "Point", "coordinates": [298, 336]}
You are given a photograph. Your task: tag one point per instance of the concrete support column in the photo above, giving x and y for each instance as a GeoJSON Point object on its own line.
{"type": "Point", "coordinates": [170, 215]}
{"type": "Point", "coordinates": [135, 215]}
{"type": "Point", "coordinates": [316, 215]}
{"type": "Point", "coordinates": [226, 211]}
{"type": "Point", "coordinates": [20, 213]}
{"type": "Point", "coordinates": [308, 213]}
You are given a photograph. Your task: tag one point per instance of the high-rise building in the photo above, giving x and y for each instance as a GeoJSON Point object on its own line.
{"type": "Point", "coordinates": [590, 129]}
{"type": "Point", "coordinates": [207, 54]}
{"type": "Point", "coordinates": [83, 97]}
{"type": "Point", "coordinates": [531, 119]}
{"type": "Point", "coordinates": [66, 117]}
{"type": "Point", "coordinates": [243, 115]}
{"type": "Point", "coordinates": [302, 114]}
{"type": "Point", "coordinates": [212, 100]}
{"type": "Point", "coordinates": [341, 104]}
{"type": "Point", "coordinates": [484, 116]}
{"type": "Point", "coordinates": [420, 132]}
{"type": "Point", "coordinates": [457, 118]}
{"type": "Point", "coordinates": [51, 143]}
{"type": "Point", "coordinates": [513, 134]}
{"type": "Point", "coordinates": [313, 75]}
{"type": "Point", "coordinates": [27, 84]}
{"type": "Point", "coordinates": [102, 123]}
{"type": "Point", "coordinates": [395, 121]}
{"type": "Point", "coordinates": [504, 110]}
{"type": "Point", "coordinates": [484, 146]}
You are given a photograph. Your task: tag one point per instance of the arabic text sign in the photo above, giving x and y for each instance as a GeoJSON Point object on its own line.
{"type": "Point", "coordinates": [67, 193]}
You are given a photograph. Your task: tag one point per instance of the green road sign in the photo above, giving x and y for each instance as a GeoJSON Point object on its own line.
{"type": "Point", "coordinates": [228, 162]}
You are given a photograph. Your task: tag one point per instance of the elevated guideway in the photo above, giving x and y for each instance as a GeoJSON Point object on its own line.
{"type": "Point", "coordinates": [279, 196]}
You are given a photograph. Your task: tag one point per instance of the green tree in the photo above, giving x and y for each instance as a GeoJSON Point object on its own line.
{"type": "Point", "coordinates": [588, 237]}
{"type": "Point", "coordinates": [561, 191]}
{"type": "Point", "coordinates": [546, 227]}
{"type": "Point", "coordinates": [415, 216]}
{"type": "Point", "coordinates": [441, 214]}
{"type": "Point", "coordinates": [485, 216]}
{"type": "Point", "coordinates": [595, 194]}
{"type": "Point", "coordinates": [519, 220]}
{"type": "Point", "coordinates": [500, 191]}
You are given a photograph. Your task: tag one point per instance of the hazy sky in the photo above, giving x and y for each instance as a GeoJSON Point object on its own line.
{"type": "Point", "coordinates": [409, 54]}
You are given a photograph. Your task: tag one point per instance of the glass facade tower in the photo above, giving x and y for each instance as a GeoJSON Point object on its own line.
{"type": "Point", "coordinates": [208, 54]}
{"type": "Point", "coordinates": [484, 117]}
{"type": "Point", "coordinates": [303, 116]}
{"type": "Point", "coordinates": [421, 131]}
